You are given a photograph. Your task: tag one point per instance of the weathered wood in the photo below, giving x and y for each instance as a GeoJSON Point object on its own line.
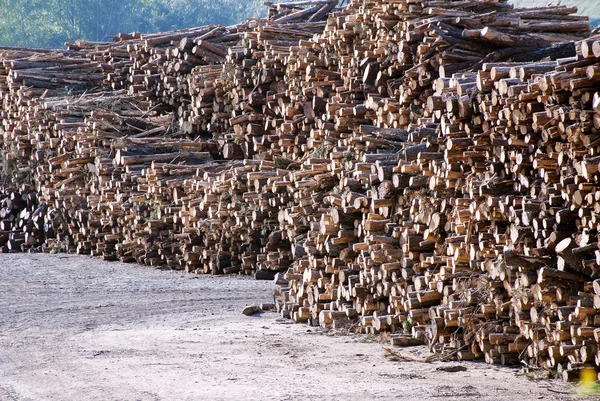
{"type": "Point", "coordinates": [398, 166]}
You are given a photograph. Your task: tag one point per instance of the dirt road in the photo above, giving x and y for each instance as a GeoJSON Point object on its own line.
{"type": "Point", "coordinates": [76, 328]}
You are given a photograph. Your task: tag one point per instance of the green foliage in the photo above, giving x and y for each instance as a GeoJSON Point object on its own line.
{"type": "Point", "coordinates": [407, 327]}
{"type": "Point", "coordinates": [8, 170]}
{"type": "Point", "coordinates": [51, 23]}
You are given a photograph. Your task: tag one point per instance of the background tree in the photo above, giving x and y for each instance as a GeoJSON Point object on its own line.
{"type": "Point", "coordinates": [50, 23]}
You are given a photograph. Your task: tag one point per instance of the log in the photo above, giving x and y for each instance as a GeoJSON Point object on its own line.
{"type": "Point", "coordinates": [402, 167]}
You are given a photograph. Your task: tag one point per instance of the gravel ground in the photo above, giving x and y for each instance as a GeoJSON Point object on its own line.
{"type": "Point", "coordinates": [76, 328]}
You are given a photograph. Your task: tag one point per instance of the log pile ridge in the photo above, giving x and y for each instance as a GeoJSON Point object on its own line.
{"type": "Point", "coordinates": [427, 168]}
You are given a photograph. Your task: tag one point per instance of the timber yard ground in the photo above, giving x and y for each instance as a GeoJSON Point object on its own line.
{"type": "Point", "coordinates": [77, 328]}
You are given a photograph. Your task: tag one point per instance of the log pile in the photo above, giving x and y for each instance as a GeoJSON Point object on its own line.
{"type": "Point", "coordinates": [424, 168]}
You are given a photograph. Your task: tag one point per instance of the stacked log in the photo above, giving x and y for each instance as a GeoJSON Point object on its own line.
{"type": "Point", "coordinates": [425, 168]}
{"type": "Point", "coordinates": [396, 269]}
{"type": "Point", "coordinates": [129, 186]}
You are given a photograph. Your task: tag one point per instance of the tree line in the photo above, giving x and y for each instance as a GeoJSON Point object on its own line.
{"type": "Point", "coordinates": [51, 23]}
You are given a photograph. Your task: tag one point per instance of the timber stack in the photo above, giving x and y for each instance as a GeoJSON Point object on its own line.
{"type": "Point", "coordinates": [430, 169]}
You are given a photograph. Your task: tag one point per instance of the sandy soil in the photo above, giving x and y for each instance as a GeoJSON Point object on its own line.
{"type": "Point", "coordinates": [75, 328]}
